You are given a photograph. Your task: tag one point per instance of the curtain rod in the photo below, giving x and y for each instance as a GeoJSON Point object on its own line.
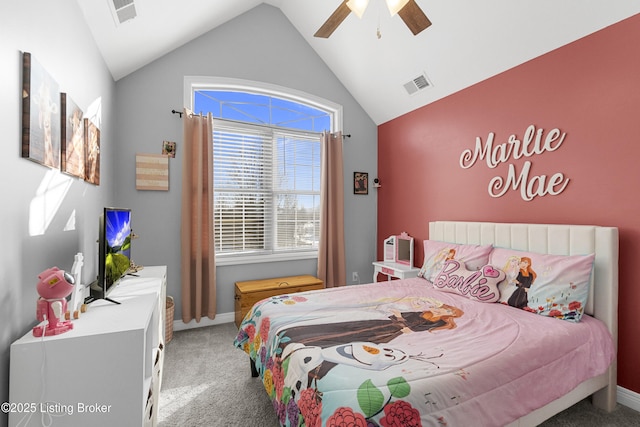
{"type": "Point", "coordinates": [348, 135]}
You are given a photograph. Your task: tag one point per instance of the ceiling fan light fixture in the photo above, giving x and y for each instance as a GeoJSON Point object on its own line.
{"type": "Point", "coordinates": [358, 6]}
{"type": "Point", "coordinates": [413, 17]}
{"type": "Point", "coordinates": [396, 5]}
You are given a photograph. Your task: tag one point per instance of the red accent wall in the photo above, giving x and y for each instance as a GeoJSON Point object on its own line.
{"type": "Point", "coordinates": [589, 89]}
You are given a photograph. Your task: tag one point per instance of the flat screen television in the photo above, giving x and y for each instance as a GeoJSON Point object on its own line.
{"type": "Point", "coordinates": [114, 251]}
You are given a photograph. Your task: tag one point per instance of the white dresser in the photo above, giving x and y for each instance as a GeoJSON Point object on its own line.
{"type": "Point", "coordinates": [106, 371]}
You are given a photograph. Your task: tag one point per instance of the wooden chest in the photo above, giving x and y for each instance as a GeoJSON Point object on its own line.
{"type": "Point", "coordinates": [250, 292]}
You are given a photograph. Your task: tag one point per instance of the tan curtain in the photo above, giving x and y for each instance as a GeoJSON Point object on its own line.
{"type": "Point", "coordinates": [197, 237]}
{"type": "Point", "coordinates": [331, 251]}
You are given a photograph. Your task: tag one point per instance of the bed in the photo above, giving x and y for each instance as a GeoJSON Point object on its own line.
{"type": "Point", "coordinates": [452, 347]}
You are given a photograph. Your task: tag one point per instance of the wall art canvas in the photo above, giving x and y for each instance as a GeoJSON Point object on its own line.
{"type": "Point", "coordinates": [152, 172]}
{"type": "Point", "coordinates": [92, 152]}
{"type": "Point", "coordinates": [360, 183]}
{"type": "Point", "coordinates": [40, 114]}
{"type": "Point", "coordinates": [71, 137]}
{"type": "Point", "coordinates": [169, 148]}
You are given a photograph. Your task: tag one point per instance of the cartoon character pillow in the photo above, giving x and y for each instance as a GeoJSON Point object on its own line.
{"type": "Point", "coordinates": [479, 285]}
{"type": "Point", "coordinates": [436, 253]}
{"type": "Point", "coordinates": [550, 285]}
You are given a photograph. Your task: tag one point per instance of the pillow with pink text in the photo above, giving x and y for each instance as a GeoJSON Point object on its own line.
{"type": "Point", "coordinates": [479, 285]}
{"type": "Point", "coordinates": [549, 285]}
{"type": "Point", "coordinates": [436, 253]}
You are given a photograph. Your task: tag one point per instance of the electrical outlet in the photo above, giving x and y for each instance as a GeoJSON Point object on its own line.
{"type": "Point", "coordinates": [355, 277]}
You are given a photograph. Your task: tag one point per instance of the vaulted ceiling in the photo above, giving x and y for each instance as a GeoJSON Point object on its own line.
{"type": "Point", "coordinates": [469, 40]}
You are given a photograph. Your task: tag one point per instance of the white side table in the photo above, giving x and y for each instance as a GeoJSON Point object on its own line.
{"type": "Point", "coordinates": [394, 269]}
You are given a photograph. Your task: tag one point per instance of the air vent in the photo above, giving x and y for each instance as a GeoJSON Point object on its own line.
{"type": "Point", "coordinates": [123, 10]}
{"type": "Point", "coordinates": [417, 84]}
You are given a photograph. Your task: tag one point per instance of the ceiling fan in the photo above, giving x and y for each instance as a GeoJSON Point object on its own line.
{"type": "Point", "coordinates": [408, 10]}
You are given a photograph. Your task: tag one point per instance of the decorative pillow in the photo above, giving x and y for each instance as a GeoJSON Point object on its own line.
{"type": "Point", "coordinates": [550, 285]}
{"type": "Point", "coordinates": [479, 285]}
{"type": "Point", "coordinates": [437, 253]}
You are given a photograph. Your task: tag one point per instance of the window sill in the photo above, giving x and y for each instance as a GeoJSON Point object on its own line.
{"type": "Point", "coordinates": [257, 259]}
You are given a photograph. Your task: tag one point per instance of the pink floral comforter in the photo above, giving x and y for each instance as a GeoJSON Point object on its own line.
{"type": "Point", "coordinates": [402, 353]}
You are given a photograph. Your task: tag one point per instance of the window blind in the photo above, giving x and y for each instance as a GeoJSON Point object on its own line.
{"type": "Point", "coordinates": [266, 189]}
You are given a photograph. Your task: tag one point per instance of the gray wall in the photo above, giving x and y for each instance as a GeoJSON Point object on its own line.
{"type": "Point", "coordinates": [56, 35]}
{"type": "Point", "coordinates": [260, 45]}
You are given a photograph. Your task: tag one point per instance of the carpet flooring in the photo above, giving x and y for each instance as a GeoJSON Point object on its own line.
{"type": "Point", "coordinates": [207, 383]}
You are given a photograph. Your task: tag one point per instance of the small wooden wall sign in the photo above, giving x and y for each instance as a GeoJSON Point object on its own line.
{"type": "Point", "coordinates": [152, 172]}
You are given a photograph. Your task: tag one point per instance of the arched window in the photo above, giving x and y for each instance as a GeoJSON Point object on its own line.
{"type": "Point", "coordinates": [266, 166]}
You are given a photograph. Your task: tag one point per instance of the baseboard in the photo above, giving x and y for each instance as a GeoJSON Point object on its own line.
{"type": "Point", "coordinates": [625, 397]}
{"type": "Point", "coordinates": [628, 398]}
{"type": "Point", "coordinates": [179, 325]}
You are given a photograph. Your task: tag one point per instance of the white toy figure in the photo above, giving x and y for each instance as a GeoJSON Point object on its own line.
{"type": "Point", "coordinates": [76, 303]}
{"type": "Point", "coordinates": [53, 287]}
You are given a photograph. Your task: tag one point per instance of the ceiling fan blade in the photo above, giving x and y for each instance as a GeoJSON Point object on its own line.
{"type": "Point", "coordinates": [334, 21]}
{"type": "Point", "coordinates": [414, 17]}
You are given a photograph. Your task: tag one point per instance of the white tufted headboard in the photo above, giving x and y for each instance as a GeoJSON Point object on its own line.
{"type": "Point", "coordinates": [556, 239]}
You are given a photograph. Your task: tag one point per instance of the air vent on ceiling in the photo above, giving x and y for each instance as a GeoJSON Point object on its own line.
{"type": "Point", "coordinates": [417, 84]}
{"type": "Point", "coordinates": [124, 10]}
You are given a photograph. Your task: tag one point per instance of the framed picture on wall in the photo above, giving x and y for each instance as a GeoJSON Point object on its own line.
{"type": "Point", "coordinates": [71, 137]}
{"type": "Point", "coordinates": [169, 148]}
{"type": "Point", "coordinates": [92, 152]}
{"type": "Point", "coordinates": [40, 114]}
{"type": "Point", "coordinates": [360, 183]}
